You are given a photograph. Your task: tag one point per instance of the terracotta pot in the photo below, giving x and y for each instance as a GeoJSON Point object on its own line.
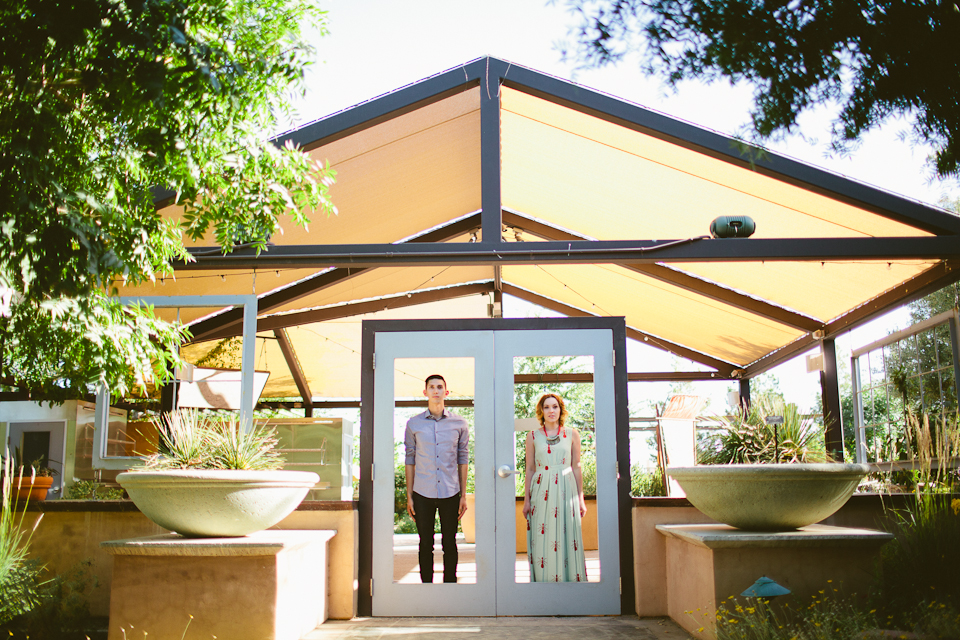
{"type": "Point", "coordinates": [35, 489]}
{"type": "Point", "coordinates": [217, 504]}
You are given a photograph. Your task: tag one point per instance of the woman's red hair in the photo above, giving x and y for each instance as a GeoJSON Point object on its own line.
{"type": "Point", "coordinates": [563, 408]}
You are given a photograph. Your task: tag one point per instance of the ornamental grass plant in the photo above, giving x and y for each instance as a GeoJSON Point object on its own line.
{"type": "Point", "coordinates": [190, 439]}
{"type": "Point", "coordinates": [917, 575]}
{"type": "Point", "coordinates": [19, 576]}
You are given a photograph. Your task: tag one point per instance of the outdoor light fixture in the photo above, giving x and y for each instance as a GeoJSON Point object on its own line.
{"type": "Point", "coordinates": [732, 227]}
{"type": "Point", "coordinates": [764, 587]}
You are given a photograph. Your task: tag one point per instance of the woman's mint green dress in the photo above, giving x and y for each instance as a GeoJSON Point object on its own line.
{"type": "Point", "coordinates": [554, 538]}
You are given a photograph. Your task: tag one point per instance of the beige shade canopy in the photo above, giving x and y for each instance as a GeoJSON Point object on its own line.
{"type": "Point", "coordinates": [574, 166]}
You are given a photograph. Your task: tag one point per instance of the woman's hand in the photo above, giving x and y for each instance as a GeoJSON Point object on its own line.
{"type": "Point", "coordinates": [526, 507]}
{"type": "Point", "coordinates": [583, 507]}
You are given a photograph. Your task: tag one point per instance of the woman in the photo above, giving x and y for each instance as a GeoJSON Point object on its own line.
{"type": "Point", "coordinates": [553, 501]}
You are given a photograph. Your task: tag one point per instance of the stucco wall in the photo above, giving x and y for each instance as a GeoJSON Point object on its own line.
{"type": "Point", "coordinates": [649, 546]}
{"type": "Point", "coordinates": [70, 532]}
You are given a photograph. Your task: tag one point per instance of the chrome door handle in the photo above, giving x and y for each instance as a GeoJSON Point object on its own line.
{"type": "Point", "coordinates": [505, 471]}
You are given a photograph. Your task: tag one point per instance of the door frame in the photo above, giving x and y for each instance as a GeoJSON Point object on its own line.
{"type": "Point", "coordinates": [370, 328]}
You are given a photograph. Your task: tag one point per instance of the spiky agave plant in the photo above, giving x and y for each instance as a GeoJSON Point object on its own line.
{"type": "Point", "coordinates": [747, 438]}
{"type": "Point", "coordinates": [194, 440]}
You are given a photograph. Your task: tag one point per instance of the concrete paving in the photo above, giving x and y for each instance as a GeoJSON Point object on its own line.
{"type": "Point", "coordinates": [532, 628]}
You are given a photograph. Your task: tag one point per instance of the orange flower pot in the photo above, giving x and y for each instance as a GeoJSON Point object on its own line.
{"type": "Point", "coordinates": [32, 490]}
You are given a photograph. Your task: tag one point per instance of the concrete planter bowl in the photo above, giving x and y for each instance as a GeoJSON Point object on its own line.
{"type": "Point", "coordinates": [769, 497]}
{"type": "Point", "coordinates": [214, 504]}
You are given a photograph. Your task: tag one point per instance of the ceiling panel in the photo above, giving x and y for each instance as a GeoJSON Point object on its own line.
{"type": "Point", "coordinates": [822, 290]}
{"type": "Point", "coordinates": [397, 178]}
{"type": "Point", "coordinates": [679, 316]}
{"type": "Point", "coordinates": [610, 182]}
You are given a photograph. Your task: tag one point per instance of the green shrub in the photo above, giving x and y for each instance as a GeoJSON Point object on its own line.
{"type": "Point", "coordinates": [646, 483]}
{"type": "Point", "coordinates": [825, 618]}
{"type": "Point", "coordinates": [62, 611]}
{"type": "Point", "coordinates": [91, 490]}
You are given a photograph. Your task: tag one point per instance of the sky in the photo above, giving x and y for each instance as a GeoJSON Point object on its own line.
{"type": "Point", "coordinates": [376, 46]}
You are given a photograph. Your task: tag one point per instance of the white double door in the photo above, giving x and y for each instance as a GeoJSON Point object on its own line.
{"type": "Point", "coordinates": [494, 577]}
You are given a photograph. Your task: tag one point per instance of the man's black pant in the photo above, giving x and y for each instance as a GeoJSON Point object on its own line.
{"type": "Point", "coordinates": [426, 513]}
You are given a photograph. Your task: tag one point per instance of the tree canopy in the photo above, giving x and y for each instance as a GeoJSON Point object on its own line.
{"type": "Point", "coordinates": [874, 59]}
{"type": "Point", "coordinates": [102, 102]}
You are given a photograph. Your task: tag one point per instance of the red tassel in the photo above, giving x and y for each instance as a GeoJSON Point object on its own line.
{"type": "Point", "coordinates": [574, 545]}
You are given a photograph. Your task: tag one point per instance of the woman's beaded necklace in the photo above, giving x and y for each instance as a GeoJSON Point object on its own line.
{"type": "Point", "coordinates": [553, 439]}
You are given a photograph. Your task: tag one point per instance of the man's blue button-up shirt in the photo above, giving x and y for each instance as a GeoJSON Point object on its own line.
{"type": "Point", "coordinates": [436, 446]}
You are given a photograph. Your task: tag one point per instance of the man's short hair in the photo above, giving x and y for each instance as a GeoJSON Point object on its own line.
{"type": "Point", "coordinates": [436, 376]}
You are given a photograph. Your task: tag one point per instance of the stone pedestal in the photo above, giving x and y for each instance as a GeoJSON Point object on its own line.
{"type": "Point", "coordinates": [708, 563]}
{"type": "Point", "coordinates": [270, 585]}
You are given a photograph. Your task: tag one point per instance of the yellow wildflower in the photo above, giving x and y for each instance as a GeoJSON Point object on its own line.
{"type": "Point", "coordinates": [955, 505]}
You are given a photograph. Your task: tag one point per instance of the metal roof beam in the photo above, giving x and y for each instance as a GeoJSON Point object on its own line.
{"type": "Point", "coordinates": [927, 282]}
{"type": "Point", "coordinates": [226, 323]}
{"type": "Point", "coordinates": [294, 365]}
{"type": "Point", "coordinates": [698, 249]}
{"type": "Point", "coordinates": [684, 281]}
{"type": "Point", "coordinates": [286, 320]}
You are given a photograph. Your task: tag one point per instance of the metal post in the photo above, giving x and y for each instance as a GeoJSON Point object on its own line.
{"type": "Point", "coordinates": [830, 394]}
{"type": "Point", "coordinates": [490, 201]}
{"type": "Point", "coordinates": [744, 393]}
{"type": "Point", "coordinates": [247, 401]}
{"type": "Point", "coordinates": [955, 343]}
{"type": "Point", "coordinates": [859, 432]}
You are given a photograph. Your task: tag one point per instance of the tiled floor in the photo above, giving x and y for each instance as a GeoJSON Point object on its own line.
{"type": "Point", "coordinates": [406, 570]}
{"type": "Point", "coordinates": [534, 628]}
{"type": "Point", "coordinates": [406, 567]}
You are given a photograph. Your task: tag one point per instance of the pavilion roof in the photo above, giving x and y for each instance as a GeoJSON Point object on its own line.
{"type": "Point", "coordinates": [493, 178]}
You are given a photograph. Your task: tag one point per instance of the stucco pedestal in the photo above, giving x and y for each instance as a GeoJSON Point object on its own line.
{"type": "Point", "coordinates": [707, 563]}
{"type": "Point", "coordinates": [270, 585]}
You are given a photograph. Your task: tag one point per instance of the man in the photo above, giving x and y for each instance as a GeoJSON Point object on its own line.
{"type": "Point", "coordinates": [436, 443]}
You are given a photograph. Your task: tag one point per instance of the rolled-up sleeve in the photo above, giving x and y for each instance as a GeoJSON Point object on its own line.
{"type": "Point", "coordinates": [463, 446]}
{"type": "Point", "coordinates": [410, 446]}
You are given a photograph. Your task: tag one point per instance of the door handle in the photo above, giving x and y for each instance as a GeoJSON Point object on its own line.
{"type": "Point", "coordinates": [505, 471]}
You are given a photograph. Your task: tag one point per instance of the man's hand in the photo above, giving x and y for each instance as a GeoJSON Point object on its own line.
{"type": "Point", "coordinates": [413, 514]}
{"type": "Point", "coordinates": [463, 506]}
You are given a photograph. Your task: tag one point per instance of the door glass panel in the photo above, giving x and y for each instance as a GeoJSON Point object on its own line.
{"type": "Point", "coordinates": [35, 449]}
{"type": "Point", "coordinates": [409, 382]}
{"type": "Point", "coordinates": [560, 540]}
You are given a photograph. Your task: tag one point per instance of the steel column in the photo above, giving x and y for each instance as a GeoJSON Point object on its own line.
{"type": "Point", "coordinates": [955, 343]}
{"type": "Point", "coordinates": [744, 392]}
{"type": "Point", "coordinates": [490, 155]}
{"type": "Point", "coordinates": [830, 394]}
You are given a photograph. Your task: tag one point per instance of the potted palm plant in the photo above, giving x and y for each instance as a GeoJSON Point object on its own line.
{"type": "Point", "coordinates": [212, 479]}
